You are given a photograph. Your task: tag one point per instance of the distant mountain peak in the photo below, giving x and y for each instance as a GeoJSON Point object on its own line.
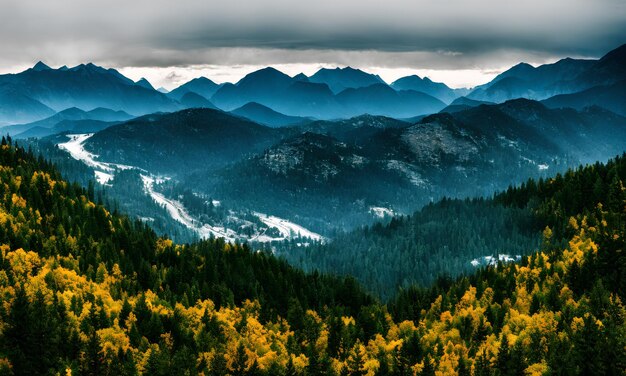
{"type": "Point", "coordinates": [301, 77]}
{"type": "Point", "coordinates": [267, 70]}
{"type": "Point", "coordinates": [144, 83]}
{"type": "Point", "coordinates": [267, 74]}
{"type": "Point", "coordinates": [40, 66]}
{"type": "Point", "coordinates": [618, 53]}
{"type": "Point", "coordinates": [339, 79]}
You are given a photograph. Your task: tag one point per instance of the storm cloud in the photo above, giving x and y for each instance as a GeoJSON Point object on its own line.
{"type": "Point", "coordinates": [444, 34]}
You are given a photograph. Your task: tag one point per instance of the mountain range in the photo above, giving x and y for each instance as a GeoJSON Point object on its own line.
{"type": "Point", "coordinates": [41, 91]}
{"type": "Point", "coordinates": [585, 79]}
{"type": "Point", "coordinates": [330, 174]}
{"type": "Point", "coordinates": [330, 150]}
{"type": "Point", "coordinates": [64, 121]}
{"type": "Point", "coordinates": [85, 86]}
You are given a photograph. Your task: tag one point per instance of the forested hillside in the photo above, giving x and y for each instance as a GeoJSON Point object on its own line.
{"type": "Point", "coordinates": [444, 237]}
{"type": "Point", "coordinates": [440, 240]}
{"type": "Point", "coordinates": [85, 291]}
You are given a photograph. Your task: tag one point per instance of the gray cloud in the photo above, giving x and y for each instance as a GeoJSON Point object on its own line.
{"type": "Point", "coordinates": [450, 34]}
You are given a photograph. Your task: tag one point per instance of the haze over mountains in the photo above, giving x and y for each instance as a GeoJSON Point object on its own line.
{"type": "Point", "coordinates": [330, 151]}
{"type": "Point", "coordinates": [320, 188]}
{"type": "Point", "coordinates": [41, 91]}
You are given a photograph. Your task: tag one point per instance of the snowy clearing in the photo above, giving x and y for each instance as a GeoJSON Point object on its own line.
{"type": "Point", "coordinates": [76, 149]}
{"type": "Point", "coordinates": [381, 212]}
{"type": "Point", "coordinates": [178, 212]}
{"type": "Point", "coordinates": [104, 173]}
{"type": "Point", "coordinates": [288, 229]}
{"type": "Point", "coordinates": [493, 261]}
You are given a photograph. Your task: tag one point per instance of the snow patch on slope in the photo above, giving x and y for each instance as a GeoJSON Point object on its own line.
{"type": "Point", "coordinates": [104, 173]}
{"type": "Point", "coordinates": [288, 229]}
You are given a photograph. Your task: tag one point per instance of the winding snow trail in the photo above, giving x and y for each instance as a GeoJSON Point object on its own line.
{"type": "Point", "coordinates": [288, 229]}
{"type": "Point", "coordinates": [104, 173]}
{"type": "Point", "coordinates": [178, 212]}
{"type": "Point", "coordinates": [76, 149]}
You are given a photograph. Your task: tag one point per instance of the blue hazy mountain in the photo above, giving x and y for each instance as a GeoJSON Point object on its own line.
{"type": "Point", "coordinates": [73, 114]}
{"type": "Point", "coordinates": [201, 85]}
{"type": "Point", "coordinates": [610, 69]}
{"type": "Point", "coordinates": [566, 76]}
{"type": "Point", "coordinates": [436, 89]}
{"type": "Point", "coordinates": [339, 79]}
{"type": "Point", "coordinates": [194, 100]}
{"type": "Point", "coordinates": [297, 97]}
{"type": "Point", "coordinates": [266, 116]}
{"type": "Point", "coordinates": [611, 97]}
{"type": "Point", "coordinates": [67, 127]}
{"type": "Point", "coordinates": [41, 66]}
{"type": "Point", "coordinates": [525, 81]}
{"type": "Point", "coordinates": [463, 103]}
{"type": "Point", "coordinates": [16, 107]}
{"type": "Point", "coordinates": [279, 92]}
{"type": "Point", "coordinates": [301, 77]}
{"type": "Point", "coordinates": [144, 83]}
{"type": "Point", "coordinates": [85, 86]}
{"type": "Point", "coordinates": [327, 169]}
{"type": "Point", "coordinates": [380, 99]}
{"type": "Point", "coordinates": [182, 141]}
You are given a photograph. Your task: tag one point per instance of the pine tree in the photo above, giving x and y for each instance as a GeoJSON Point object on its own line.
{"type": "Point", "coordinates": [218, 365]}
{"type": "Point", "coordinates": [240, 364]}
{"type": "Point", "coordinates": [429, 368]}
{"type": "Point", "coordinates": [503, 363]}
{"type": "Point", "coordinates": [19, 337]}
{"type": "Point", "coordinates": [482, 366]}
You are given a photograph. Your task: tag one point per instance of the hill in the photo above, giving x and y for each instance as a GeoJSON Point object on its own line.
{"type": "Point", "coordinates": [611, 97]}
{"type": "Point", "coordinates": [345, 168]}
{"type": "Point", "coordinates": [48, 124]}
{"type": "Point", "coordinates": [436, 89]}
{"type": "Point", "coordinates": [180, 142]}
{"type": "Point", "coordinates": [85, 86]}
{"type": "Point", "coordinates": [266, 116]}
{"type": "Point", "coordinates": [380, 99]}
{"type": "Point", "coordinates": [339, 79]}
{"type": "Point", "coordinates": [201, 86]}
{"type": "Point", "coordinates": [76, 300]}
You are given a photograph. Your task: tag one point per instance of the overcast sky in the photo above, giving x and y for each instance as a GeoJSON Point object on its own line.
{"type": "Point", "coordinates": [460, 42]}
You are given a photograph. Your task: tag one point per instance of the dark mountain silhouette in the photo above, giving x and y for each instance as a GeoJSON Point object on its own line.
{"type": "Point", "coordinates": [182, 141]}
{"type": "Point", "coordinates": [301, 77]}
{"type": "Point", "coordinates": [611, 97]}
{"type": "Point", "coordinates": [279, 92]}
{"type": "Point", "coordinates": [266, 116]}
{"type": "Point", "coordinates": [86, 86]}
{"type": "Point", "coordinates": [339, 79]}
{"type": "Point", "coordinates": [97, 114]}
{"type": "Point", "coordinates": [463, 103]}
{"type": "Point", "coordinates": [380, 99]}
{"type": "Point", "coordinates": [194, 100]}
{"type": "Point", "coordinates": [606, 71]}
{"type": "Point", "coordinates": [425, 85]}
{"type": "Point", "coordinates": [201, 85]}
{"type": "Point", "coordinates": [526, 81]}
{"type": "Point", "coordinates": [16, 107]}
{"type": "Point", "coordinates": [66, 127]}
{"type": "Point", "coordinates": [145, 84]}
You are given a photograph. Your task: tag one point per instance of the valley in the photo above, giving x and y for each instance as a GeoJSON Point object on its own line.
{"type": "Point", "coordinates": [327, 223]}
{"type": "Point", "coordinates": [105, 172]}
